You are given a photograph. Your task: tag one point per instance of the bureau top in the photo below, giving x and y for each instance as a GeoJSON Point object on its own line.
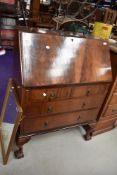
{"type": "Point", "coordinates": [50, 59]}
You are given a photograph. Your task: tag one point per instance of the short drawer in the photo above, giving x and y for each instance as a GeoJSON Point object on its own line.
{"type": "Point", "coordinates": [57, 121]}
{"type": "Point", "coordinates": [80, 91]}
{"type": "Point", "coordinates": [63, 106]}
{"type": "Point", "coordinates": [113, 99]}
{"type": "Point", "coordinates": [46, 94]}
{"type": "Point", "coordinates": [111, 110]}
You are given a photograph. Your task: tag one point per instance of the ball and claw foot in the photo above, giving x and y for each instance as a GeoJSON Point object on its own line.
{"type": "Point", "coordinates": [89, 132]}
{"type": "Point", "coordinates": [19, 153]}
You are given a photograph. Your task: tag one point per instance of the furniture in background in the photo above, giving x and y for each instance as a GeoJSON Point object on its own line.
{"type": "Point", "coordinates": [110, 16]}
{"type": "Point", "coordinates": [7, 23]}
{"type": "Point", "coordinates": [108, 114]}
{"type": "Point", "coordinates": [35, 8]}
{"type": "Point", "coordinates": [29, 12]}
{"type": "Point", "coordinates": [63, 82]}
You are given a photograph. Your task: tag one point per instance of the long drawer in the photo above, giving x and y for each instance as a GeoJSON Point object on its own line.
{"type": "Point", "coordinates": [63, 106]}
{"type": "Point", "coordinates": [57, 121]}
{"type": "Point", "coordinates": [53, 94]}
{"type": "Point", "coordinates": [46, 94]}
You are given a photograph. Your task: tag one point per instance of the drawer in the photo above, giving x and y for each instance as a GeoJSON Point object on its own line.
{"type": "Point", "coordinates": [89, 90]}
{"type": "Point", "coordinates": [111, 110]}
{"type": "Point", "coordinates": [72, 105]}
{"type": "Point", "coordinates": [46, 94]}
{"type": "Point", "coordinates": [113, 99]}
{"type": "Point", "coordinates": [57, 121]}
{"type": "Point", "coordinates": [53, 94]}
{"type": "Point", "coordinates": [63, 106]}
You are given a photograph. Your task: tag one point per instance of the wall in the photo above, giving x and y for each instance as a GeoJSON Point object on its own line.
{"type": "Point", "coordinates": [6, 72]}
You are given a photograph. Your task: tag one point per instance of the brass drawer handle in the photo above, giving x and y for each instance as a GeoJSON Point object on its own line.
{"type": "Point", "coordinates": [79, 117]}
{"type": "Point", "coordinates": [45, 124]}
{"type": "Point", "coordinates": [88, 92]}
{"type": "Point", "coordinates": [50, 109]}
{"type": "Point", "coordinates": [52, 95]}
{"type": "Point", "coordinates": [83, 105]}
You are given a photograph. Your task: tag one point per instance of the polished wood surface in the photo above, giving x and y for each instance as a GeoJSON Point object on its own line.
{"type": "Point", "coordinates": [65, 80]}
{"type": "Point", "coordinates": [35, 7]}
{"type": "Point", "coordinates": [111, 110]}
{"type": "Point", "coordinates": [49, 59]}
{"type": "Point", "coordinates": [88, 90]}
{"type": "Point", "coordinates": [113, 57]}
{"type": "Point", "coordinates": [108, 114]}
{"type": "Point", "coordinates": [44, 94]}
{"type": "Point", "coordinates": [56, 100]}
{"type": "Point", "coordinates": [104, 125]}
{"type": "Point", "coordinates": [115, 90]}
{"type": "Point", "coordinates": [58, 121]}
{"type": "Point", "coordinates": [63, 106]}
{"type": "Point", "coordinates": [113, 99]}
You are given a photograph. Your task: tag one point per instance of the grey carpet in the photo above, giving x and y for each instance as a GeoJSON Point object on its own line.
{"type": "Point", "coordinates": [66, 153]}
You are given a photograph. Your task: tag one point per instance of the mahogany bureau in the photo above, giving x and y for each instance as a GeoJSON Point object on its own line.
{"type": "Point", "coordinates": [61, 82]}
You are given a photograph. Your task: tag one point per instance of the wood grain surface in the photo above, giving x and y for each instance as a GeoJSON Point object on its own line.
{"type": "Point", "coordinates": [49, 59]}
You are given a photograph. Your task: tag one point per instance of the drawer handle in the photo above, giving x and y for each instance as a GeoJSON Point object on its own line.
{"type": "Point", "coordinates": [52, 95]}
{"type": "Point", "coordinates": [79, 117]}
{"type": "Point", "coordinates": [50, 109]}
{"type": "Point", "coordinates": [83, 105]}
{"type": "Point", "coordinates": [88, 92]}
{"type": "Point", "coordinates": [45, 124]}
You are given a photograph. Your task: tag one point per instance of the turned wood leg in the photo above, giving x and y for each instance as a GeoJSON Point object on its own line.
{"type": "Point", "coordinates": [19, 143]}
{"type": "Point", "coordinates": [89, 132]}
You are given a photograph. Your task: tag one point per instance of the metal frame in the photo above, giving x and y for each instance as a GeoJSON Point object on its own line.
{"type": "Point", "coordinates": [10, 87]}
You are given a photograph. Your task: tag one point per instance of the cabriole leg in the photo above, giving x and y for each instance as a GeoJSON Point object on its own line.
{"type": "Point", "coordinates": [19, 143]}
